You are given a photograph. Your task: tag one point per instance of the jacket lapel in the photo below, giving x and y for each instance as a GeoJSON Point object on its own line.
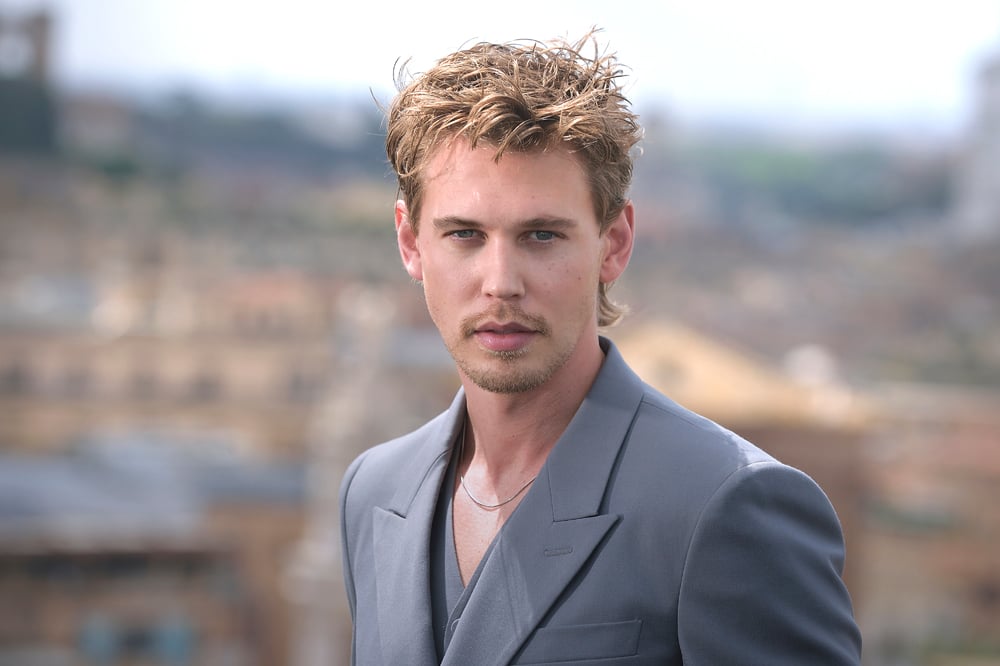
{"type": "Point", "coordinates": [402, 533]}
{"type": "Point", "coordinates": [525, 573]}
{"type": "Point", "coordinates": [555, 529]}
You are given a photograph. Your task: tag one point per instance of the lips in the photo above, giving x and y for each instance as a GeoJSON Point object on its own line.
{"type": "Point", "coordinates": [508, 337]}
{"type": "Point", "coordinates": [512, 327]}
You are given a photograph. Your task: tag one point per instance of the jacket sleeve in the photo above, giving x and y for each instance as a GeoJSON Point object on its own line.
{"type": "Point", "coordinates": [762, 578]}
{"type": "Point", "coordinates": [346, 531]}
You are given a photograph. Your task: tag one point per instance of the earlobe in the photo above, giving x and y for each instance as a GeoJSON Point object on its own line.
{"type": "Point", "coordinates": [406, 237]}
{"type": "Point", "coordinates": [618, 239]}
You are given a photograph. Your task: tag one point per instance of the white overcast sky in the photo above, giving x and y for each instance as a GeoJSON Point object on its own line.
{"type": "Point", "coordinates": [868, 61]}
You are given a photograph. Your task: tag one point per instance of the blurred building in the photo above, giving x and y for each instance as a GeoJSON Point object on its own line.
{"type": "Point", "coordinates": [978, 187]}
{"type": "Point", "coordinates": [25, 45]}
{"type": "Point", "coordinates": [932, 571]}
{"type": "Point", "coordinates": [27, 105]}
{"type": "Point", "coordinates": [138, 343]}
{"type": "Point", "coordinates": [187, 315]}
{"type": "Point", "coordinates": [137, 549]}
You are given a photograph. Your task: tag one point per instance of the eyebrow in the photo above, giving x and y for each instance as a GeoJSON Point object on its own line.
{"type": "Point", "coordinates": [455, 221]}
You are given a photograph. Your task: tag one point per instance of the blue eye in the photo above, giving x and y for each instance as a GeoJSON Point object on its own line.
{"type": "Point", "coordinates": [463, 233]}
{"type": "Point", "coordinates": [543, 235]}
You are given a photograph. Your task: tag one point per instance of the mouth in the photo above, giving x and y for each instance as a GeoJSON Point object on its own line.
{"type": "Point", "coordinates": [503, 329]}
{"type": "Point", "coordinates": [504, 337]}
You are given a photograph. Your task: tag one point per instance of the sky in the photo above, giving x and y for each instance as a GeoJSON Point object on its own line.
{"type": "Point", "coordinates": [853, 62]}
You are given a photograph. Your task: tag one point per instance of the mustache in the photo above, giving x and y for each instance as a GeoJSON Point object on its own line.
{"type": "Point", "coordinates": [506, 314]}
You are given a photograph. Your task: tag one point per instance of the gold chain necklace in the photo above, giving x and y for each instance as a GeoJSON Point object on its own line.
{"type": "Point", "coordinates": [476, 500]}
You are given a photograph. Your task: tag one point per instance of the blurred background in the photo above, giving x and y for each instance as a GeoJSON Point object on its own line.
{"type": "Point", "coordinates": [203, 317]}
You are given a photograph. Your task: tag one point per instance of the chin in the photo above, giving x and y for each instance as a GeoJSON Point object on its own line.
{"type": "Point", "coordinates": [505, 385]}
{"type": "Point", "coordinates": [510, 380]}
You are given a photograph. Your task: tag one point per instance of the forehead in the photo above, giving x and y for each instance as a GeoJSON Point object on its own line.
{"type": "Point", "coordinates": [458, 151]}
{"type": "Point", "coordinates": [457, 170]}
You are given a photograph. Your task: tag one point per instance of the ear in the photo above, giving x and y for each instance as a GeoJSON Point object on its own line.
{"type": "Point", "coordinates": [618, 239]}
{"type": "Point", "coordinates": [406, 237]}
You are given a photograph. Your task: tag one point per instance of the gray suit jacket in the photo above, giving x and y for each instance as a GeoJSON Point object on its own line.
{"type": "Point", "coordinates": [651, 536]}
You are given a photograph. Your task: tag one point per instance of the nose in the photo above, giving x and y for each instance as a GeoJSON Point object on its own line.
{"type": "Point", "coordinates": [502, 271]}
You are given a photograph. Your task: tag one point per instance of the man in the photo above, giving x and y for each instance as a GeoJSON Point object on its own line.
{"type": "Point", "coordinates": [562, 511]}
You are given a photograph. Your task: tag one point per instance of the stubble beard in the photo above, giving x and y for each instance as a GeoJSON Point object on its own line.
{"type": "Point", "coordinates": [511, 372]}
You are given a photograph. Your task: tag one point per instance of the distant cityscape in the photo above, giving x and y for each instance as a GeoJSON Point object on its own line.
{"type": "Point", "coordinates": [203, 318]}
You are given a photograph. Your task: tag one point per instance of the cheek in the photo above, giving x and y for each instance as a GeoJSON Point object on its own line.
{"type": "Point", "coordinates": [445, 277]}
{"type": "Point", "coordinates": [435, 302]}
{"type": "Point", "coordinates": [573, 286]}
{"type": "Point", "coordinates": [446, 287]}
{"type": "Point", "coordinates": [583, 273]}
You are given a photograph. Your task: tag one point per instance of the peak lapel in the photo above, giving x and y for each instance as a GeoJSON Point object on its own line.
{"type": "Point", "coordinates": [531, 563]}
{"type": "Point", "coordinates": [402, 533]}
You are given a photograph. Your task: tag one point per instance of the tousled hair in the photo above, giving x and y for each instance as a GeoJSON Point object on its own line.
{"type": "Point", "coordinates": [521, 96]}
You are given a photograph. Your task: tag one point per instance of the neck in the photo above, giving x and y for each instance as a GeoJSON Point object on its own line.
{"type": "Point", "coordinates": [515, 432]}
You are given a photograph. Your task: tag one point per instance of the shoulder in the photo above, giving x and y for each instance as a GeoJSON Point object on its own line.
{"type": "Point", "coordinates": [375, 475]}
{"type": "Point", "coordinates": [668, 446]}
{"type": "Point", "coordinates": [769, 531]}
{"type": "Point", "coordinates": [715, 472]}
{"type": "Point", "coordinates": [663, 430]}
{"type": "Point", "coordinates": [675, 435]}
{"type": "Point", "coordinates": [762, 550]}
{"type": "Point", "coordinates": [383, 458]}
{"type": "Point", "coordinates": [693, 462]}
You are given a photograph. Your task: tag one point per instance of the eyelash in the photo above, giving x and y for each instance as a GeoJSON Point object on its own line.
{"type": "Point", "coordinates": [468, 234]}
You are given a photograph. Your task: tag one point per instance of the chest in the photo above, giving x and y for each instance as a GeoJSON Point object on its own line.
{"type": "Point", "coordinates": [474, 528]}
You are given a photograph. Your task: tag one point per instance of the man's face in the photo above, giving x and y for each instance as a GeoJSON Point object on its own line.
{"type": "Point", "coordinates": [510, 255]}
